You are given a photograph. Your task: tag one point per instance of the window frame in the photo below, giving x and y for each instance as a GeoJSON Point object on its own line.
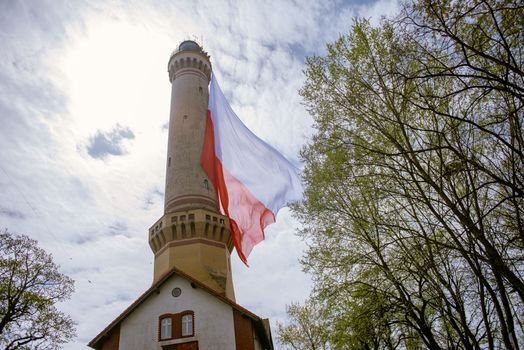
{"type": "Point", "coordinates": [177, 326]}
{"type": "Point", "coordinates": [191, 316]}
{"type": "Point", "coordinates": [161, 318]}
{"type": "Point", "coordinates": [168, 328]}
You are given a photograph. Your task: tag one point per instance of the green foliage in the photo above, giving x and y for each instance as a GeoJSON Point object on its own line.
{"type": "Point", "coordinates": [415, 179]}
{"type": "Point", "coordinates": [30, 288]}
{"type": "Point", "coordinates": [308, 329]}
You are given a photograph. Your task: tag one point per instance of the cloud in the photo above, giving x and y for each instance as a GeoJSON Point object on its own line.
{"type": "Point", "coordinates": [83, 239]}
{"type": "Point", "coordinates": [12, 213]}
{"type": "Point", "coordinates": [110, 142]}
{"type": "Point", "coordinates": [118, 228]}
{"type": "Point", "coordinates": [153, 198]}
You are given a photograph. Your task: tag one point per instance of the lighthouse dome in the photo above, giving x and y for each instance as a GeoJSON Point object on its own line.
{"type": "Point", "coordinates": [189, 45]}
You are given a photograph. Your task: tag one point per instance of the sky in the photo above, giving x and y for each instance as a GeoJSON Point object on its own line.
{"type": "Point", "coordinates": [84, 110]}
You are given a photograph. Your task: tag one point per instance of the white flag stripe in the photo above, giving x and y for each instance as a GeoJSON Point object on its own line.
{"type": "Point", "coordinates": [268, 175]}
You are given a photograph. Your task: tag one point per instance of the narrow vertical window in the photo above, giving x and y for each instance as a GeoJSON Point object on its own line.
{"type": "Point", "coordinates": [187, 325]}
{"type": "Point", "coordinates": [165, 328]}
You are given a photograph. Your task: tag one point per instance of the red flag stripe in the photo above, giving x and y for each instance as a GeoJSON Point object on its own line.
{"type": "Point", "coordinates": [235, 199]}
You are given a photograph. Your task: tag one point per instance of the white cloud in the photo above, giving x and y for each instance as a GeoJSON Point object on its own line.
{"type": "Point", "coordinates": [70, 70]}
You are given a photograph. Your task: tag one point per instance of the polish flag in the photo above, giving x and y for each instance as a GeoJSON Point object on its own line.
{"type": "Point", "coordinates": [252, 179]}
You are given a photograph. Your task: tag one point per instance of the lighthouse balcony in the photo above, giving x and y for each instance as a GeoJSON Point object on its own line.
{"type": "Point", "coordinates": [190, 224]}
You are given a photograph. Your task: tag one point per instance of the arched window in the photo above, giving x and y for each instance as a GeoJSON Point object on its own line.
{"type": "Point", "coordinates": [165, 328]}
{"type": "Point", "coordinates": [187, 325]}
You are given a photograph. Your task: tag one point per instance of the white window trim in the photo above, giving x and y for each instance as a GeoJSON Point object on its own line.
{"type": "Point", "coordinates": [187, 325]}
{"type": "Point", "coordinates": [165, 328]}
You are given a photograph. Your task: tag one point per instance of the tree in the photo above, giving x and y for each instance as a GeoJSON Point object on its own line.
{"type": "Point", "coordinates": [30, 287]}
{"type": "Point", "coordinates": [415, 179]}
{"type": "Point", "coordinates": [307, 330]}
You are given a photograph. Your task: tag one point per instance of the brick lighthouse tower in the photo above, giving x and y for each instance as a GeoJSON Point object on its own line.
{"type": "Point", "coordinates": [191, 235]}
{"type": "Point", "coordinates": [191, 303]}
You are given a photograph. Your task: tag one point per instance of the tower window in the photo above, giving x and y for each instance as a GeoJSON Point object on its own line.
{"type": "Point", "coordinates": [187, 325]}
{"type": "Point", "coordinates": [165, 328]}
{"type": "Point", "coordinates": [169, 161]}
{"type": "Point", "coordinates": [206, 184]}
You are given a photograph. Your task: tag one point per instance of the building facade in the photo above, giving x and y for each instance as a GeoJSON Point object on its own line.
{"type": "Point", "coordinates": [191, 303]}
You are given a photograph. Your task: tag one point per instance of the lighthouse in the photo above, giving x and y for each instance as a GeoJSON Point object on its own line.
{"type": "Point", "coordinates": [191, 302]}
{"type": "Point", "coordinates": [191, 235]}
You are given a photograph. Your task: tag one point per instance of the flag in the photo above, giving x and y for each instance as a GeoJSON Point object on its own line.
{"type": "Point", "coordinates": [252, 179]}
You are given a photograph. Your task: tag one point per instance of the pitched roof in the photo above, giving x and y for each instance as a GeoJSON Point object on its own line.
{"type": "Point", "coordinates": [261, 325]}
